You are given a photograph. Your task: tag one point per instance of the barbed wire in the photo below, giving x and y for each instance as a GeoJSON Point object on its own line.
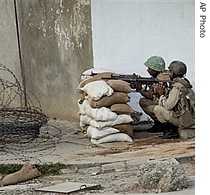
{"type": "Point", "coordinates": [31, 149]}
{"type": "Point", "coordinates": [19, 117]}
{"type": "Point", "coordinates": [23, 126]}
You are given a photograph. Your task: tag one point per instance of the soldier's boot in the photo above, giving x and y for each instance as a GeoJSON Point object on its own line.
{"type": "Point", "coordinates": [157, 127]}
{"type": "Point", "coordinates": [170, 131]}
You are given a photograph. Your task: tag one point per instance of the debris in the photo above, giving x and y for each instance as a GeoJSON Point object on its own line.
{"type": "Point", "coordinates": [163, 175]}
{"type": "Point", "coordinates": [68, 187]}
{"type": "Point", "coordinates": [27, 172]}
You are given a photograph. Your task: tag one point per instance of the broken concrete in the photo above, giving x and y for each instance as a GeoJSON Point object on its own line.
{"type": "Point", "coordinates": [162, 176]}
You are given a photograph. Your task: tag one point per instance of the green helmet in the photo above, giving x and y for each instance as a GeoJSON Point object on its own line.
{"type": "Point", "coordinates": [178, 67]}
{"type": "Point", "coordinates": [156, 63]}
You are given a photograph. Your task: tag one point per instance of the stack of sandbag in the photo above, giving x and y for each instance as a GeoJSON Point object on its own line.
{"type": "Point", "coordinates": [104, 113]}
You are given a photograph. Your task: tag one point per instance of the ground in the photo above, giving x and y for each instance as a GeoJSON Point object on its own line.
{"type": "Point", "coordinates": [145, 145]}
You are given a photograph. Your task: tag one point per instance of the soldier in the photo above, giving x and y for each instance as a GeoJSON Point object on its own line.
{"type": "Point", "coordinates": [151, 94]}
{"type": "Point", "coordinates": [177, 109]}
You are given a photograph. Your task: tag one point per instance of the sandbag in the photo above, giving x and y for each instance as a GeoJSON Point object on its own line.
{"type": "Point", "coordinates": [122, 118]}
{"type": "Point", "coordinates": [83, 126]}
{"type": "Point", "coordinates": [117, 137]}
{"type": "Point", "coordinates": [125, 128]}
{"type": "Point", "coordinates": [106, 101]}
{"type": "Point", "coordinates": [97, 77]}
{"type": "Point", "coordinates": [95, 133]}
{"type": "Point", "coordinates": [97, 89]}
{"type": "Point", "coordinates": [98, 114]}
{"type": "Point", "coordinates": [82, 94]}
{"type": "Point", "coordinates": [119, 85]}
{"type": "Point", "coordinates": [121, 108]}
{"type": "Point", "coordinates": [27, 172]}
{"type": "Point", "coordinates": [88, 73]}
{"type": "Point", "coordinates": [85, 120]}
{"type": "Point", "coordinates": [81, 110]}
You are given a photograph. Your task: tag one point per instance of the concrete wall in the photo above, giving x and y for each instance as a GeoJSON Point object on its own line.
{"type": "Point", "coordinates": [127, 32]}
{"type": "Point", "coordinates": [9, 54]}
{"type": "Point", "coordinates": [56, 47]}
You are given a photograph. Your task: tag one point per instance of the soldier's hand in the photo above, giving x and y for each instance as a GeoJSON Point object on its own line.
{"type": "Point", "coordinates": [160, 89]}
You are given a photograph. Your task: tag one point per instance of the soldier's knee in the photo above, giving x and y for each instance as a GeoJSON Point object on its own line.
{"type": "Point", "coordinates": [157, 110]}
{"type": "Point", "coordinates": [142, 101]}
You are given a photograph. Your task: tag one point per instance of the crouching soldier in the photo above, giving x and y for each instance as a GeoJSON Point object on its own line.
{"type": "Point", "coordinates": [150, 95]}
{"type": "Point", "coordinates": [177, 109]}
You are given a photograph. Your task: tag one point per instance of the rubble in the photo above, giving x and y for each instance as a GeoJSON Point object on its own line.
{"type": "Point", "coordinates": [163, 175]}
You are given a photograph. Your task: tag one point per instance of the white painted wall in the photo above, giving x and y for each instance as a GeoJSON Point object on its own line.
{"type": "Point", "coordinates": [127, 32]}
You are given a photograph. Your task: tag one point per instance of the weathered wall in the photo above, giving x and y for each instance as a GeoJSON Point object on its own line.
{"type": "Point", "coordinates": [8, 39]}
{"type": "Point", "coordinates": [56, 47]}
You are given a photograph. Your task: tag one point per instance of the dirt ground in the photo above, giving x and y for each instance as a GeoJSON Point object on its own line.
{"type": "Point", "coordinates": [144, 144]}
{"type": "Point", "coordinates": [143, 139]}
{"type": "Point", "coordinates": [127, 182]}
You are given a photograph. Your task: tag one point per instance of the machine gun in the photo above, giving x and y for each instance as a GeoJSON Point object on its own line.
{"type": "Point", "coordinates": [136, 81]}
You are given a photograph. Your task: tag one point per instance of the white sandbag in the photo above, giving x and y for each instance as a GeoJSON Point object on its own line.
{"type": "Point", "coordinates": [95, 133]}
{"type": "Point", "coordinates": [122, 118]}
{"type": "Point", "coordinates": [98, 114]}
{"type": "Point", "coordinates": [117, 137]}
{"type": "Point", "coordinates": [85, 120]}
{"type": "Point", "coordinates": [82, 125]}
{"type": "Point", "coordinates": [97, 89]}
{"type": "Point", "coordinates": [87, 73]}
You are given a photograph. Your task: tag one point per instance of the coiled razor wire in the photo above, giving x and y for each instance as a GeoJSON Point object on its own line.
{"type": "Point", "coordinates": [23, 126]}
{"type": "Point", "coordinates": [31, 149]}
{"type": "Point", "coordinates": [20, 122]}
{"type": "Point", "coordinates": [18, 115]}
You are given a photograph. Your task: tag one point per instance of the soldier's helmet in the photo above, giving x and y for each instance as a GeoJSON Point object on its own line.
{"type": "Point", "coordinates": [156, 63]}
{"type": "Point", "coordinates": [178, 67]}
